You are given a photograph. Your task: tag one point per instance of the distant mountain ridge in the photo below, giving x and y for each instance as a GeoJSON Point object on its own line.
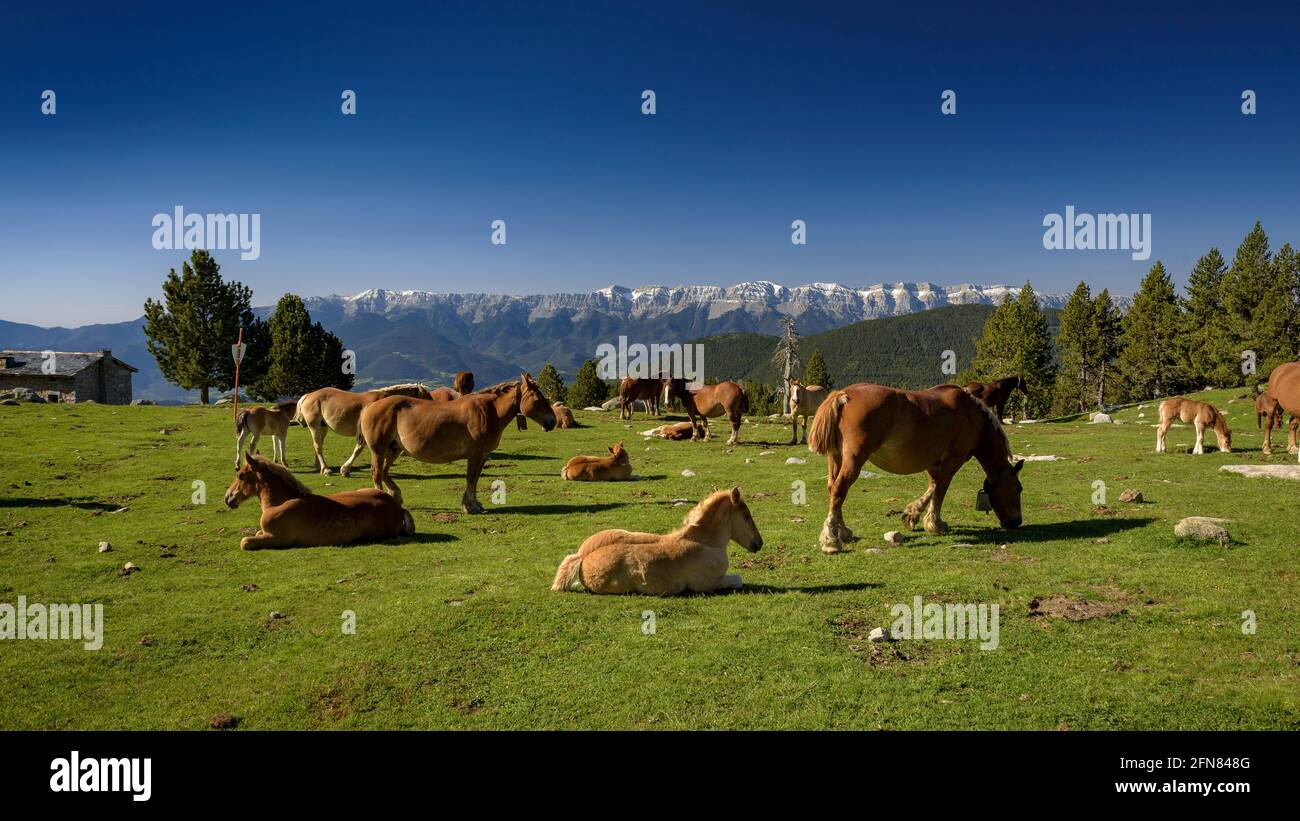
{"type": "Point", "coordinates": [428, 336]}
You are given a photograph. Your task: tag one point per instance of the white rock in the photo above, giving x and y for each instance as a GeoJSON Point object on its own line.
{"type": "Point", "coordinates": [1038, 458]}
{"type": "Point", "coordinates": [767, 453]}
{"type": "Point", "coordinates": [874, 551]}
{"type": "Point", "coordinates": [688, 473]}
{"type": "Point", "coordinates": [1202, 528]}
{"type": "Point", "coordinates": [1100, 418]}
{"type": "Point", "coordinates": [894, 537]}
{"type": "Point", "coordinates": [105, 547]}
{"type": "Point", "coordinates": [880, 634]}
{"type": "Point", "coordinates": [1273, 471]}
{"type": "Point", "coordinates": [129, 568]}
{"type": "Point", "coordinates": [795, 460]}
{"type": "Point", "coordinates": [596, 408]}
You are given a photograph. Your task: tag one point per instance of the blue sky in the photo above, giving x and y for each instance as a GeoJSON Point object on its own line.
{"type": "Point", "coordinates": [470, 112]}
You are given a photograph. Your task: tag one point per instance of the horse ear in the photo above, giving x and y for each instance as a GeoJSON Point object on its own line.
{"type": "Point", "coordinates": [735, 495]}
{"type": "Point", "coordinates": [1019, 464]}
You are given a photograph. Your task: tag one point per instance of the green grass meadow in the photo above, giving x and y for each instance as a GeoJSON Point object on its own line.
{"type": "Point", "coordinates": [456, 627]}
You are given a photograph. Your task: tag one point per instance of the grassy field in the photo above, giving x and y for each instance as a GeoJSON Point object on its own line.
{"type": "Point", "coordinates": [457, 628]}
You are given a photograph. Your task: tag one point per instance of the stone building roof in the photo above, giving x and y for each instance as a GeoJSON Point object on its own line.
{"type": "Point", "coordinates": [66, 363]}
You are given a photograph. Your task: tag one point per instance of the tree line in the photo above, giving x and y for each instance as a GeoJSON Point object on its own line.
{"type": "Point", "coordinates": [191, 330]}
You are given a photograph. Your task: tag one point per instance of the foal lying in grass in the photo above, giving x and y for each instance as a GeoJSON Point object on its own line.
{"type": "Point", "coordinates": [616, 467]}
{"type": "Point", "coordinates": [690, 559]}
{"type": "Point", "coordinates": [293, 516]}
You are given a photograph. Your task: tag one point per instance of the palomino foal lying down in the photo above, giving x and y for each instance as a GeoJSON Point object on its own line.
{"type": "Point", "coordinates": [293, 516]}
{"type": "Point", "coordinates": [1202, 415]}
{"type": "Point", "coordinates": [616, 467]}
{"type": "Point", "coordinates": [692, 558]}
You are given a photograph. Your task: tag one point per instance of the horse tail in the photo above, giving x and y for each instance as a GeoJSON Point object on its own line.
{"type": "Point", "coordinates": [744, 399]}
{"type": "Point", "coordinates": [824, 436]}
{"type": "Point", "coordinates": [241, 421]}
{"type": "Point", "coordinates": [298, 418]}
{"type": "Point", "coordinates": [568, 575]}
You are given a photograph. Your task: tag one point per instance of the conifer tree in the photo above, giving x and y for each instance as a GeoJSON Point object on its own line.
{"type": "Point", "coordinates": [588, 389]}
{"type": "Point", "coordinates": [1150, 360]}
{"type": "Point", "coordinates": [816, 373]}
{"type": "Point", "coordinates": [1209, 356]}
{"type": "Point", "coordinates": [551, 384]}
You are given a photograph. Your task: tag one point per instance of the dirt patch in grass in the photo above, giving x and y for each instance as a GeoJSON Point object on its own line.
{"type": "Point", "coordinates": [766, 560]}
{"type": "Point", "coordinates": [855, 627]}
{"type": "Point", "coordinates": [1109, 602]}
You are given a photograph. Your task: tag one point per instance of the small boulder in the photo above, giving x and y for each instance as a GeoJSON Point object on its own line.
{"type": "Point", "coordinates": [795, 460]}
{"type": "Point", "coordinates": [128, 569]}
{"type": "Point", "coordinates": [105, 547]}
{"type": "Point", "coordinates": [894, 538]}
{"type": "Point", "coordinates": [1100, 418]}
{"type": "Point", "coordinates": [880, 634]}
{"type": "Point", "coordinates": [688, 473]}
{"type": "Point", "coordinates": [767, 453]}
{"type": "Point", "coordinates": [1203, 529]}
{"type": "Point", "coordinates": [874, 551]}
{"type": "Point", "coordinates": [1131, 495]}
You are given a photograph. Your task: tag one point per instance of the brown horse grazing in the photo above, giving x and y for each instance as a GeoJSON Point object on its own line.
{"type": "Point", "coordinates": [616, 467]}
{"type": "Point", "coordinates": [1271, 409]}
{"type": "Point", "coordinates": [563, 417]}
{"type": "Point", "coordinates": [677, 433]}
{"type": "Point", "coordinates": [1200, 414]}
{"type": "Point", "coordinates": [293, 516]}
{"type": "Point", "coordinates": [468, 428]}
{"type": "Point", "coordinates": [1284, 389]}
{"type": "Point", "coordinates": [254, 422]}
{"type": "Point", "coordinates": [804, 401]}
{"type": "Point", "coordinates": [463, 383]}
{"type": "Point", "coordinates": [936, 431]}
{"type": "Point", "coordinates": [693, 558]}
{"type": "Point", "coordinates": [996, 394]}
{"type": "Point", "coordinates": [339, 411]}
{"type": "Point", "coordinates": [723, 399]}
{"type": "Point", "coordinates": [647, 390]}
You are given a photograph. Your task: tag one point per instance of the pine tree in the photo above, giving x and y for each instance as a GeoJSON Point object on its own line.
{"type": "Point", "coordinates": [1277, 316]}
{"type": "Point", "coordinates": [1107, 324]}
{"type": "Point", "coordinates": [551, 384]}
{"type": "Point", "coordinates": [1245, 286]}
{"type": "Point", "coordinates": [1150, 361]}
{"type": "Point", "coordinates": [1209, 355]}
{"type": "Point", "coordinates": [191, 330]}
{"type": "Point", "coordinates": [816, 373]}
{"type": "Point", "coordinates": [303, 356]}
{"type": "Point", "coordinates": [1017, 342]}
{"type": "Point", "coordinates": [1077, 346]}
{"type": "Point", "coordinates": [588, 389]}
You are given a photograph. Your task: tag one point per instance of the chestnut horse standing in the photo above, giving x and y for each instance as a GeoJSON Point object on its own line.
{"type": "Point", "coordinates": [804, 401]}
{"type": "Point", "coordinates": [1284, 389]}
{"type": "Point", "coordinates": [692, 558]}
{"type": "Point", "coordinates": [463, 383]}
{"type": "Point", "coordinates": [467, 428]}
{"type": "Point", "coordinates": [723, 399]}
{"type": "Point", "coordinates": [936, 431]}
{"type": "Point", "coordinates": [254, 422]}
{"type": "Point", "coordinates": [647, 390]}
{"type": "Point", "coordinates": [1202, 415]}
{"type": "Point", "coordinates": [616, 467]}
{"type": "Point", "coordinates": [1270, 409]}
{"type": "Point", "coordinates": [293, 516]}
{"type": "Point", "coordinates": [996, 394]}
{"type": "Point", "coordinates": [339, 411]}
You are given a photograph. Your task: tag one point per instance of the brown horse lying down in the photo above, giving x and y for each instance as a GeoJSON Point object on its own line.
{"type": "Point", "coordinates": [1284, 391]}
{"type": "Point", "coordinates": [1200, 414]}
{"type": "Point", "coordinates": [677, 433]}
{"type": "Point", "coordinates": [463, 383]}
{"type": "Point", "coordinates": [723, 399]}
{"type": "Point", "coordinates": [804, 401]}
{"type": "Point", "coordinates": [693, 558]}
{"type": "Point", "coordinates": [340, 411]}
{"type": "Point", "coordinates": [257, 421]}
{"type": "Point", "coordinates": [293, 516]}
{"type": "Point", "coordinates": [936, 431]}
{"type": "Point", "coordinates": [563, 417]}
{"type": "Point", "coordinates": [616, 467]}
{"type": "Point", "coordinates": [996, 394]}
{"type": "Point", "coordinates": [467, 428]}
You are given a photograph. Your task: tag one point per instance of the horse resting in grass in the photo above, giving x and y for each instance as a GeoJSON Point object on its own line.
{"type": "Point", "coordinates": [467, 428]}
{"type": "Point", "coordinates": [272, 421]}
{"type": "Point", "coordinates": [616, 467]}
{"type": "Point", "coordinates": [293, 516]}
{"type": "Point", "coordinates": [804, 401]}
{"type": "Point", "coordinates": [936, 431]}
{"type": "Point", "coordinates": [690, 559]}
{"type": "Point", "coordinates": [1202, 415]}
{"type": "Point", "coordinates": [1284, 394]}
{"type": "Point", "coordinates": [340, 411]}
{"type": "Point", "coordinates": [996, 394]}
{"type": "Point", "coordinates": [723, 399]}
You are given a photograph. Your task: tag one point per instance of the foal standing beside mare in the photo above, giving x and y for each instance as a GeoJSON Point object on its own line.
{"type": "Point", "coordinates": [936, 431]}
{"type": "Point", "coordinates": [340, 411]}
{"type": "Point", "coordinates": [1202, 415]}
{"type": "Point", "coordinates": [273, 421]}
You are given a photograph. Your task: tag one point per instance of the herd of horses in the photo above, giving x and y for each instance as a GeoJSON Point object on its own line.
{"type": "Point", "coordinates": [934, 431]}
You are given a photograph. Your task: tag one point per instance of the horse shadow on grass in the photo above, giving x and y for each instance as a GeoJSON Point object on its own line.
{"type": "Point", "coordinates": [1050, 531]}
{"type": "Point", "coordinates": [815, 590]}
{"type": "Point", "coordinates": [84, 504]}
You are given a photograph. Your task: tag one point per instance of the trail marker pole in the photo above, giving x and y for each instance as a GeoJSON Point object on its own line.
{"type": "Point", "coordinates": [237, 350]}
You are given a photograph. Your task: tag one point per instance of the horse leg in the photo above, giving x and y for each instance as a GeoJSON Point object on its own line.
{"type": "Point", "coordinates": [915, 508]}
{"type": "Point", "coordinates": [939, 481]}
{"type": "Point", "coordinates": [253, 444]}
{"type": "Point", "coordinates": [381, 461]}
{"type": "Point", "coordinates": [1291, 434]}
{"type": "Point", "coordinates": [263, 540]}
{"type": "Point", "coordinates": [469, 501]}
{"type": "Point", "coordinates": [1160, 434]}
{"type": "Point", "coordinates": [318, 445]}
{"type": "Point", "coordinates": [1200, 437]}
{"type": "Point", "coordinates": [735, 427]}
{"type": "Point", "coordinates": [345, 469]}
{"type": "Point", "coordinates": [834, 530]}
{"type": "Point", "coordinates": [239, 446]}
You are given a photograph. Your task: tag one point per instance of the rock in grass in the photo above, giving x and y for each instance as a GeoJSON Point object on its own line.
{"type": "Point", "coordinates": [1131, 495]}
{"type": "Point", "coordinates": [105, 547]}
{"type": "Point", "coordinates": [880, 634]}
{"type": "Point", "coordinates": [795, 460]}
{"type": "Point", "coordinates": [874, 551]}
{"type": "Point", "coordinates": [767, 453]}
{"type": "Point", "coordinates": [1202, 528]}
{"type": "Point", "coordinates": [688, 473]}
{"type": "Point", "coordinates": [128, 569]}
{"type": "Point", "coordinates": [894, 538]}
{"type": "Point", "coordinates": [276, 614]}
{"type": "Point", "coordinates": [1100, 418]}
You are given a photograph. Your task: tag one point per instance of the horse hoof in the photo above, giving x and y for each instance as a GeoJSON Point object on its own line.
{"type": "Point", "coordinates": [345, 473]}
{"type": "Point", "coordinates": [936, 528]}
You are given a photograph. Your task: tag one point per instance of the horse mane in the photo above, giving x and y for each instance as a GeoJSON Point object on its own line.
{"type": "Point", "coordinates": [281, 473]}
{"type": "Point", "coordinates": [704, 509]}
{"type": "Point", "coordinates": [499, 388]}
{"type": "Point", "coordinates": [996, 423]}
{"type": "Point", "coordinates": [395, 389]}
